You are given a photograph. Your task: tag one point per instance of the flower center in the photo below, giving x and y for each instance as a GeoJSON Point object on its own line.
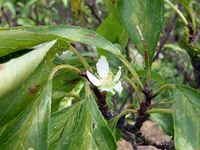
{"type": "Point", "coordinates": [107, 81]}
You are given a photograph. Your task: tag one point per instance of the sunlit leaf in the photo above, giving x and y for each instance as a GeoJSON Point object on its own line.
{"type": "Point", "coordinates": [23, 78]}
{"type": "Point", "coordinates": [30, 36]}
{"type": "Point", "coordinates": [18, 39]}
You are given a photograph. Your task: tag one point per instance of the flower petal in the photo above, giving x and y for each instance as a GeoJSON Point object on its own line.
{"type": "Point", "coordinates": [102, 67]}
{"type": "Point", "coordinates": [118, 87]}
{"type": "Point", "coordinates": [93, 79]}
{"type": "Point", "coordinates": [118, 75]}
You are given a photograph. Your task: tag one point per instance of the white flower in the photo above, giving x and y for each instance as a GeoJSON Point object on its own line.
{"type": "Point", "coordinates": [106, 81]}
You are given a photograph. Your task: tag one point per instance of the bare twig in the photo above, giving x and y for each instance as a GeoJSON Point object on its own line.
{"type": "Point", "coordinates": [166, 35]}
{"type": "Point", "coordinates": [94, 9]}
{"type": "Point", "coordinates": [131, 138]}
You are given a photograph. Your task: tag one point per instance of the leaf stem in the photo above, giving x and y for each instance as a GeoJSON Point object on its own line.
{"type": "Point", "coordinates": [126, 112]}
{"type": "Point", "coordinates": [60, 67]}
{"type": "Point", "coordinates": [81, 58]}
{"type": "Point", "coordinates": [132, 71]}
{"type": "Point", "coordinates": [133, 86]}
{"type": "Point", "coordinates": [178, 12]}
{"type": "Point", "coordinates": [149, 76]}
{"type": "Point", "coordinates": [162, 88]}
{"type": "Point", "coordinates": [65, 94]}
{"type": "Point", "coordinates": [115, 119]}
{"type": "Point", "coordinates": [163, 111]}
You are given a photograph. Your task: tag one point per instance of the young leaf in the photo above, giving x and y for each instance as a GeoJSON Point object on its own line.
{"type": "Point", "coordinates": [186, 118]}
{"type": "Point", "coordinates": [80, 126]}
{"type": "Point", "coordinates": [143, 21]}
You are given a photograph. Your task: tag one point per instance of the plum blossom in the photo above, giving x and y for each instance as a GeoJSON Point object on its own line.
{"type": "Point", "coordinates": [105, 80]}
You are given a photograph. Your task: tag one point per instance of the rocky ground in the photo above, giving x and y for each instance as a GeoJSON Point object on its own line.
{"type": "Point", "coordinates": [152, 132]}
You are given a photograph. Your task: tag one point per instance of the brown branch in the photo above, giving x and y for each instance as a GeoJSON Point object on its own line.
{"type": "Point", "coordinates": [191, 33]}
{"type": "Point", "coordinates": [166, 35]}
{"type": "Point", "coordinates": [196, 65]}
{"type": "Point", "coordinates": [129, 132]}
{"type": "Point", "coordinates": [131, 138]}
{"type": "Point", "coordinates": [93, 7]}
{"type": "Point", "coordinates": [101, 101]}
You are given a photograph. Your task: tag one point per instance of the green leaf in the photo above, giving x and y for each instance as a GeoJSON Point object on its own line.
{"type": "Point", "coordinates": [186, 118]}
{"type": "Point", "coordinates": [1, 3]}
{"type": "Point", "coordinates": [192, 50]}
{"type": "Point", "coordinates": [17, 70]}
{"type": "Point", "coordinates": [70, 33]}
{"type": "Point", "coordinates": [186, 3]}
{"type": "Point", "coordinates": [110, 25]}
{"type": "Point", "coordinates": [154, 75]}
{"type": "Point", "coordinates": [25, 22]}
{"type": "Point", "coordinates": [143, 21]}
{"type": "Point", "coordinates": [18, 39]}
{"type": "Point", "coordinates": [26, 37]}
{"type": "Point", "coordinates": [23, 78]}
{"type": "Point", "coordinates": [165, 121]}
{"type": "Point", "coordinates": [65, 81]}
{"type": "Point", "coordinates": [29, 130]}
{"type": "Point", "coordinates": [80, 126]}
{"type": "Point", "coordinates": [25, 105]}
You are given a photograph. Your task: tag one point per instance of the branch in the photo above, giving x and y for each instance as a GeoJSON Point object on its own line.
{"type": "Point", "coordinates": [101, 101]}
{"type": "Point", "coordinates": [93, 7]}
{"type": "Point", "coordinates": [129, 132]}
{"type": "Point", "coordinates": [166, 35]}
{"type": "Point", "coordinates": [164, 145]}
